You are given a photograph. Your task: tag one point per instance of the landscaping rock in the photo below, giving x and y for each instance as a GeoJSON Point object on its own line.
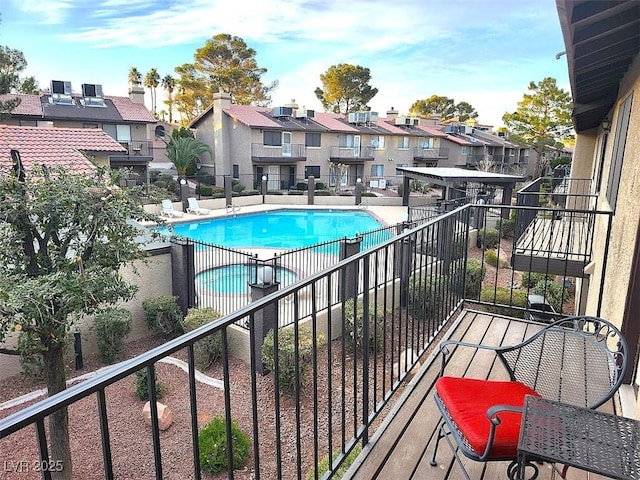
{"type": "Point", "coordinates": [165, 417]}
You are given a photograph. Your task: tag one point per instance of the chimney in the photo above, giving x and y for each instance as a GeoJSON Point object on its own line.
{"type": "Point", "coordinates": [392, 113]}
{"type": "Point", "coordinates": [221, 100]}
{"type": "Point", "coordinates": [136, 93]}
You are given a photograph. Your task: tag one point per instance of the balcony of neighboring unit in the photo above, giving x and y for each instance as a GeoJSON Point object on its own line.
{"type": "Point", "coordinates": [138, 152]}
{"type": "Point", "coordinates": [351, 154]}
{"type": "Point", "coordinates": [472, 160]}
{"type": "Point", "coordinates": [285, 154]}
{"type": "Point", "coordinates": [523, 159]}
{"type": "Point", "coordinates": [430, 156]}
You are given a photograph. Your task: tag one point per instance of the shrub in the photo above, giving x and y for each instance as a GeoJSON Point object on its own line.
{"type": "Point", "coordinates": [323, 464]}
{"type": "Point", "coordinates": [248, 193]}
{"type": "Point", "coordinates": [491, 257]}
{"type": "Point", "coordinates": [322, 193]}
{"type": "Point", "coordinates": [112, 325]}
{"type": "Point", "coordinates": [206, 178]}
{"type": "Point", "coordinates": [204, 190]}
{"type": "Point", "coordinates": [295, 192]}
{"type": "Point", "coordinates": [400, 189]}
{"type": "Point", "coordinates": [506, 227]}
{"type": "Point", "coordinates": [320, 186]}
{"type": "Point", "coordinates": [142, 385]}
{"type": "Point", "coordinates": [426, 296]}
{"type": "Point", "coordinates": [209, 349]}
{"type": "Point", "coordinates": [31, 363]}
{"type": "Point", "coordinates": [488, 238]}
{"type": "Point", "coordinates": [474, 274]}
{"type": "Point", "coordinates": [274, 192]}
{"type": "Point", "coordinates": [163, 314]}
{"type": "Point", "coordinates": [286, 355]}
{"type": "Point", "coordinates": [504, 298]}
{"type": "Point", "coordinates": [529, 279]}
{"type": "Point", "coordinates": [354, 325]}
{"type": "Point", "coordinates": [553, 292]}
{"type": "Point", "coordinates": [368, 194]}
{"type": "Point", "coordinates": [302, 186]}
{"type": "Point", "coordinates": [212, 440]}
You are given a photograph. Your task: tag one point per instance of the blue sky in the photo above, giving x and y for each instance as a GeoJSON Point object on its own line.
{"type": "Point", "coordinates": [484, 52]}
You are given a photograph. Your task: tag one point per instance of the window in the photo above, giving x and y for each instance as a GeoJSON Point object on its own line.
{"type": "Point", "coordinates": [28, 123]}
{"type": "Point", "coordinates": [377, 170]}
{"type": "Point", "coordinates": [617, 155]}
{"type": "Point", "coordinates": [90, 125]}
{"type": "Point", "coordinates": [378, 142]}
{"type": "Point", "coordinates": [236, 170]}
{"type": "Point", "coordinates": [401, 165]}
{"type": "Point", "coordinates": [121, 133]}
{"type": "Point", "coordinates": [272, 138]}
{"type": "Point", "coordinates": [349, 140]}
{"type": "Point", "coordinates": [312, 171]}
{"type": "Point", "coordinates": [466, 151]}
{"type": "Point", "coordinates": [403, 142]}
{"type": "Point", "coordinates": [427, 143]}
{"type": "Point", "coordinates": [312, 139]}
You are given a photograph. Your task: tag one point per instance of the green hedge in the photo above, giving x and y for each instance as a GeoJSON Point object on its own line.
{"type": "Point", "coordinates": [209, 349]}
{"type": "Point", "coordinates": [163, 314]}
{"type": "Point", "coordinates": [112, 325]}
{"type": "Point", "coordinates": [504, 298]}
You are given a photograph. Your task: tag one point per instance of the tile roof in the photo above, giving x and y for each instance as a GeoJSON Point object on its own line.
{"type": "Point", "coordinates": [334, 122]}
{"type": "Point", "coordinates": [458, 140]}
{"type": "Point", "coordinates": [29, 104]}
{"type": "Point", "coordinates": [54, 147]}
{"type": "Point", "coordinates": [131, 111]}
{"type": "Point", "coordinates": [251, 116]}
{"type": "Point", "coordinates": [432, 130]}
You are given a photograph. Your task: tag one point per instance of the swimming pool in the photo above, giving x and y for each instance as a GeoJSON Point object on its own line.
{"type": "Point", "coordinates": [288, 229]}
{"type": "Point", "coordinates": [235, 278]}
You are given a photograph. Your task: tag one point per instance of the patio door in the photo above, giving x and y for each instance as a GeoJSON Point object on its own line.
{"type": "Point", "coordinates": [286, 144]}
{"type": "Point", "coordinates": [273, 177]}
{"type": "Point", "coordinates": [356, 145]}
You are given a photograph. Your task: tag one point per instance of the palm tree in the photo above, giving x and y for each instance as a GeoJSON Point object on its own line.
{"type": "Point", "coordinates": [184, 152]}
{"type": "Point", "coordinates": [169, 84]}
{"type": "Point", "coordinates": [135, 77]}
{"type": "Point", "coordinates": [151, 81]}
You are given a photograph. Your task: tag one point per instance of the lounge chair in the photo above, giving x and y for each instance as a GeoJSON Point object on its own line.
{"type": "Point", "coordinates": [195, 208]}
{"type": "Point", "coordinates": [168, 211]}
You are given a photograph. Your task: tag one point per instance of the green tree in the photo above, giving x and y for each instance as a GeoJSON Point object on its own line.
{"type": "Point", "coordinates": [185, 151]}
{"type": "Point", "coordinates": [12, 63]}
{"type": "Point", "coordinates": [64, 239]}
{"type": "Point", "coordinates": [194, 93]}
{"type": "Point", "coordinates": [445, 107]}
{"type": "Point", "coordinates": [151, 81]}
{"type": "Point", "coordinates": [542, 118]}
{"type": "Point", "coordinates": [229, 65]}
{"type": "Point", "coordinates": [169, 84]}
{"type": "Point", "coordinates": [345, 88]}
{"type": "Point", "coordinates": [134, 77]}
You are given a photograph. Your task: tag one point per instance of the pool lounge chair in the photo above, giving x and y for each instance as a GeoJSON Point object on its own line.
{"type": "Point", "coordinates": [195, 208]}
{"type": "Point", "coordinates": [168, 211]}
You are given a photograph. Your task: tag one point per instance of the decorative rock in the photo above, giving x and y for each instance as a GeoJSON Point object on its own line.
{"type": "Point", "coordinates": [406, 358]}
{"type": "Point", "coordinates": [165, 417]}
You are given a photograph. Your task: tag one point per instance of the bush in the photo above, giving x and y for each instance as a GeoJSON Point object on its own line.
{"type": "Point", "coordinates": [206, 178]}
{"type": "Point", "coordinates": [474, 274]}
{"type": "Point", "coordinates": [553, 292]}
{"type": "Point", "coordinates": [204, 190]}
{"type": "Point", "coordinates": [248, 193]}
{"type": "Point", "coordinates": [286, 355]}
{"type": "Point", "coordinates": [322, 193]}
{"type": "Point", "coordinates": [504, 297]}
{"type": "Point", "coordinates": [323, 464]}
{"type": "Point", "coordinates": [209, 349]}
{"type": "Point", "coordinates": [31, 363]}
{"type": "Point", "coordinates": [212, 440]}
{"type": "Point", "coordinates": [506, 227]}
{"type": "Point", "coordinates": [320, 186]}
{"type": "Point", "coordinates": [529, 279]}
{"type": "Point", "coordinates": [488, 238]}
{"type": "Point", "coordinates": [142, 385]}
{"type": "Point", "coordinates": [112, 325]}
{"type": "Point", "coordinates": [369, 194]}
{"type": "Point", "coordinates": [426, 296]}
{"type": "Point", "coordinates": [400, 189]}
{"type": "Point", "coordinates": [302, 186]}
{"type": "Point", "coordinates": [295, 192]}
{"type": "Point", "coordinates": [163, 314]}
{"type": "Point", "coordinates": [491, 257]}
{"type": "Point", "coordinates": [274, 192]}
{"type": "Point", "coordinates": [354, 325]}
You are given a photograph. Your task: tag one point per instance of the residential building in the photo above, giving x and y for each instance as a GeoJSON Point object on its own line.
{"type": "Point", "coordinates": [125, 119]}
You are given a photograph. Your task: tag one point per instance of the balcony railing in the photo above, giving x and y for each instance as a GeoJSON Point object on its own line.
{"type": "Point", "coordinates": [287, 153]}
{"type": "Point", "coordinates": [370, 315]}
{"type": "Point", "coordinates": [351, 154]}
{"type": "Point", "coordinates": [426, 154]}
{"type": "Point", "coordinates": [138, 148]}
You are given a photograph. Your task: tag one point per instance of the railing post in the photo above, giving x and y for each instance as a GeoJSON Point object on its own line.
{"type": "Point", "coordinates": [183, 278]}
{"type": "Point", "coordinates": [311, 190]}
{"type": "Point", "coordinates": [403, 264]}
{"type": "Point", "coordinates": [358, 191]}
{"type": "Point", "coordinates": [227, 190]}
{"type": "Point", "coordinates": [267, 318]}
{"type": "Point", "coordinates": [349, 277]}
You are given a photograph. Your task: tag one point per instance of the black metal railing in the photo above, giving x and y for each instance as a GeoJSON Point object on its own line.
{"type": "Point", "coordinates": [420, 153]}
{"type": "Point", "coordinates": [287, 152]}
{"type": "Point", "coordinates": [350, 154]}
{"type": "Point", "coordinates": [138, 148]}
{"type": "Point", "coordinates": [366, 319]}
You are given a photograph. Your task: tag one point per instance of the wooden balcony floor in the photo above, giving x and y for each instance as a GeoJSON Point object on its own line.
{"type": "Point", "coordinates": [403, 445]}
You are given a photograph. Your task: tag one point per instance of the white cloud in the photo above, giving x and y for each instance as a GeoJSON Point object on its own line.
{"type": "Point", "coordinates": [50, 11]}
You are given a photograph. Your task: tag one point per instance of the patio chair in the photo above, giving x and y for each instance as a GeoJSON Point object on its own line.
{"type": "Point", "coordinates": [195, 208]}
{"type": "Point", "coordinates": [577, 360]}
{"type": "Point", "coordinates": [168, 211]}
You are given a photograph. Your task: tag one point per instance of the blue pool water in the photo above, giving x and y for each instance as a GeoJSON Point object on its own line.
{"type": "Point", "coordinates": [234, 279]}
{"type": "Point", "coordinates": [286, 229]}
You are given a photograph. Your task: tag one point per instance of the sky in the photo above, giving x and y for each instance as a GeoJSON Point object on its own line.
{"type": "Point", "coordinates": [484, 52]}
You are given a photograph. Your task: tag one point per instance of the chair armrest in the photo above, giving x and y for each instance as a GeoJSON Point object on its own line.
{"type": "Point", "coordinates": [492, 415]}
{"type": "Point", "coordinates": [445, 351]}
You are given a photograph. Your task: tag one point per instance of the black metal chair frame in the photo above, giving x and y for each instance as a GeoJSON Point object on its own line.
{"type": "Point", "coordinates": [544, 362]}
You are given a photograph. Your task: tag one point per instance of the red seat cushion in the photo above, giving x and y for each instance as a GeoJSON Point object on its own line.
{"type": "Point", "coordinates": [467, 400]}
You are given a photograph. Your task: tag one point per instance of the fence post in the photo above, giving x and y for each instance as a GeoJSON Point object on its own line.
{"type": "Point", "coordinates": [227, 190]}
{"type": "Point", "coordinates": [267, 318]}
{"type": "Point", "coordinates": [183, 278]}
{"type": "Point", "coordinates": [311, 190]}
{"type": "Point", "coordinates": [358, 191]}
{"type": "Point", "coordinates": [349, 275]}
{"type": "Point", "coordinates": [402, 267]}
